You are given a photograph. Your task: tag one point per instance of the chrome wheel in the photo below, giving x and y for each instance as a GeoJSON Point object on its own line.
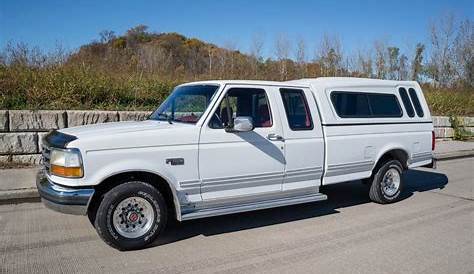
{"type": "Point", "coordinates": [391, 182]}
{"type": "Point", "coordinates": [133, 217]}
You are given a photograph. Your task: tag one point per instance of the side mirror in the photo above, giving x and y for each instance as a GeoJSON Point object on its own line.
{"type": "Point", "coordinates": [242, 124]}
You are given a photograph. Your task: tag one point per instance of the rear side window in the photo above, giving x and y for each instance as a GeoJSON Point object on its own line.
{"type": "Point", "coordinates": [365, 105]}
{"type": "Point", "coordinates": [296, 108]}
{"type": "Point", "coordinates": [406, 102]}
{"type": "Point", "coordinates": [416, 102]}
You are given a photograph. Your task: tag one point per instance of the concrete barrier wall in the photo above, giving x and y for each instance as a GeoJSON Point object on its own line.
{"type": "Point", "coordinates": [21, 131]}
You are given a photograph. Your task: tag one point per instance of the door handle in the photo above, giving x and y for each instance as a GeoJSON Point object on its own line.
{"type": "Point", "coordinates": [275, 137]}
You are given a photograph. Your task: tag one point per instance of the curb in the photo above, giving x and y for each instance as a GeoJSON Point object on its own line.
{"type": "Point", "coordinates": [23, 195]}
{"type": "Point", "coordinates": [454, 155]}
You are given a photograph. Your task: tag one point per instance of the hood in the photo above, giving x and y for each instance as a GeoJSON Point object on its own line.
{"type": "Point", "coordinates": [119, 128]}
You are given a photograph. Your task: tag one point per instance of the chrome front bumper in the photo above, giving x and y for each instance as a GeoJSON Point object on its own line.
{"type": "Point", "coordinates": [63, 199]}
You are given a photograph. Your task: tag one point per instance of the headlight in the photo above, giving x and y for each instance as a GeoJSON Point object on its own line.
{"type": "Point", "coordinates": [66, 163]}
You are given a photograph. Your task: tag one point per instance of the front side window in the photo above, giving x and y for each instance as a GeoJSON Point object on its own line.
{"type": "Point", "coordinates": [296, 108]}
{"type": "Point", "coordinates": [186, 104]}
{"type": "Point", "coordinates": [250, 102]}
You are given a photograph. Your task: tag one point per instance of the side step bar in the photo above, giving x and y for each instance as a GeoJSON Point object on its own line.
{"type": "Point", "coordinates": [254, 206]}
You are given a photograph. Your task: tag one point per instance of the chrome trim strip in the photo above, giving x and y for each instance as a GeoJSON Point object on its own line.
{"type": "Point", "coordinates": [234, 182]}
{"type": "Point", "coordinates": [190, 184]}
{"type": "Point", "coordinates": [421, 154]}
{"type": "Point", "coordinates": [420, 157]}
{"type": "Point", "coordinates": [303, 177]}
{"type": "Point", "coordinates": [240, 184]}
{"type": "Point", "coordinates": [342, 169]}
{"type": "Point", "coordinates": [243, 177]}
{"type": "Point", "coordinates": [215, 211]}
{"type": "Point", "coordinates": [303, 170]}
{"type": "Point", "coordinates": [238, 199]}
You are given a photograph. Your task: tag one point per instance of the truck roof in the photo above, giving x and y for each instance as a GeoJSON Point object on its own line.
{"type": "Point", "coordinates": [307, 82]}
{"type": "Point", "coordinates": [348, 81]}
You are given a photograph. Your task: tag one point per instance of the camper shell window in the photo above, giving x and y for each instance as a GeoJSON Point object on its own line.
{"type": "Point", "coordinates": [365, 104]}
{"type": "Point", "coordinates": [416, 102]}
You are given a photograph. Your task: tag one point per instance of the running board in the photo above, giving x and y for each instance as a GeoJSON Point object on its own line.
{"type": "Point", "coordinates": [209, 212]}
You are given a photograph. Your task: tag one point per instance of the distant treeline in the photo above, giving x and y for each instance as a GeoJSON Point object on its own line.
{"type": "Point", "coordinates": [138, 69]}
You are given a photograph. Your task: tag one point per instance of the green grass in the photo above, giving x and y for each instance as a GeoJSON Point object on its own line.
{"type": "Point", "coordinates": [449, 102]}
{"type": "Point", "coordinates": [78, 88]}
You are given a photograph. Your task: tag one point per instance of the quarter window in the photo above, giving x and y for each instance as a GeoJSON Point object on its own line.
{"type": "Point", "coordinates": [251, 102]}
{"type": "Point", "coordinates": [365, 105]}
{"type": "Point", "coordinates": [296, 108]}
{"type": "Point", "coordinates": [406, 102]}
{"type": "Point", "coordinates": [416, 102]}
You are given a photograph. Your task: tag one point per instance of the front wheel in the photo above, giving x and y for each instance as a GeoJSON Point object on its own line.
{"type": "Point", "coordinates": [131, 215]}
{"type": "Point", "coordinates": [387, 183]}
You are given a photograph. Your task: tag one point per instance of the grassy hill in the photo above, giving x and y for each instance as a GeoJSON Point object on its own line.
{"type": "Point", "coordinates": [138, 69]}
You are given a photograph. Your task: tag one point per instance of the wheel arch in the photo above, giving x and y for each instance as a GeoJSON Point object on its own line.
{"type": "Point", "coordinates": [395, 153]}
{"type": "Point", "coordinates": [156, 180]}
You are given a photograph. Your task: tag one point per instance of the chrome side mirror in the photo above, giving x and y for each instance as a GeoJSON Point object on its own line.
{"type": "Point", "coordinates": [242, 124]}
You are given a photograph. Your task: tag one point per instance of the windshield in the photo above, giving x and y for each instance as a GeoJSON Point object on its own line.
{"type": "Point", "coordinates": [186, 104]}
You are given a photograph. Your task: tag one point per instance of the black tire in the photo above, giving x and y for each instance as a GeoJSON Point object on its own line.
{"type": "Point", "coordinates": [103, 222]}
{"type": "Point", "coordinates": [376, 192]}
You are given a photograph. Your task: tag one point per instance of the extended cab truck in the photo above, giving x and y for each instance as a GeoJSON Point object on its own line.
{"type": "Point", "coordinates": [220, 147]}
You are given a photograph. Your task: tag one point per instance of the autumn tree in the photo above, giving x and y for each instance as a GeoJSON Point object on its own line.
{"type": "Point", "coordinates": [417, 62]}
{"type": "Point", "coordinates": [380, 59]}
{"type": "Point", "coordinates": [282, 52]}
{"type": "Point", "coordinates": [300, 56]}
{"type": "Point", "coordinates": [330, 55]}
{"type": "Point", "coordinates": [256, 50]}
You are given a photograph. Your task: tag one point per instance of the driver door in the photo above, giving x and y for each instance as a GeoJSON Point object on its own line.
{"type": "Point", "coordinates": [242, 164]}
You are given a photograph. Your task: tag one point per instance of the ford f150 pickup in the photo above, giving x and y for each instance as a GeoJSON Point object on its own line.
{"type": "Point", "coordinates": [221, 147]}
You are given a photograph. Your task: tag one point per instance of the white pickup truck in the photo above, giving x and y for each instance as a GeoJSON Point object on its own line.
{"type": "Point", "coordinates": [221, 147]}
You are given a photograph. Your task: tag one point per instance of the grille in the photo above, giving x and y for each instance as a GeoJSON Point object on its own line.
{"type": "Point", "coordinates": [46, 156]}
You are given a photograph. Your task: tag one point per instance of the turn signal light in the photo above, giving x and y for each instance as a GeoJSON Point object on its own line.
{"type": "Point", "coordinates": [72, 172]}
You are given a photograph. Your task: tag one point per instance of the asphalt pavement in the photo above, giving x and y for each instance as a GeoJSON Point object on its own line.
{"type": "Point", "coordinates": [429, 231]}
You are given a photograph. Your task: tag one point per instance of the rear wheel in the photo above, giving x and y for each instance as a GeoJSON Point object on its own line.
{"type": "Point", "coordinates": [131, 215]}
{"type": "Point", "coordinates": [387, 183]}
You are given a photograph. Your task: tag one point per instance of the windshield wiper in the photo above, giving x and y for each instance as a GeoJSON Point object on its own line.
{"type": "Point", "coordinates": [166, 116]}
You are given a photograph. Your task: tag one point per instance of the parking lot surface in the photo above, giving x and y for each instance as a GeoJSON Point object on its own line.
{"type": "Point", "coordinates": [430, 231]}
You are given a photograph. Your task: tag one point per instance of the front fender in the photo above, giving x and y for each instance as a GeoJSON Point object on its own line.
{"type": "Point", "coordinates": [133, 165]}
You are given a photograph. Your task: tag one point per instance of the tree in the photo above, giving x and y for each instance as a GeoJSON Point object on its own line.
{"type": "Point", "coordinates": [441, 67]}
{"type": "Point", "coordinates": [403, 67]}
{"type": "Point", "coordinates": [256, 48]}
{"type": "Point", "coordinates": [464, 53]}
{"type": "Point", "coordinates": [416, 64]}
{"type": "Point", "coordinates": [282, 51]}
{"type": "Point", "coordinates": [106, 36]}
{"type": "Point", "coordinates": [363, 66]}
{"type": "Point", "coordinates": [301, 57]}
{"type": "Point", "coordinates": [393, 62]}
{"type": "Point", "coordinates": [380, 57]}
{"type": "Point", "coordinates": [330, 55]}
{"type": "Point", "coordinates": [137, 35]}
